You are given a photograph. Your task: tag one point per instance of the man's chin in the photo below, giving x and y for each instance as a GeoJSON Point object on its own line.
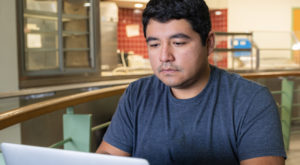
{"type": "Point", "coordinates": [170, 80]}
{"type": "Point", "coordinates": [171, 83]}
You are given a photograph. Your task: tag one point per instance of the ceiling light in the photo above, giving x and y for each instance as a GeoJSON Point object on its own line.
{"type": "Point", "coordinates": [138, 5]}
{"type": "Point", "coordinates": [137, 11]}
{"type": "Point", "coordinates": [218, 13]}
{"type": "Point", "coordinates": [87, 4]}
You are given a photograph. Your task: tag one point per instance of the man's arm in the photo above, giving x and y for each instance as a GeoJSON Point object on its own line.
{"type": "Point", "coordinates": [106, 148]}
{"type": "Point", "coordinates": [265, 160]}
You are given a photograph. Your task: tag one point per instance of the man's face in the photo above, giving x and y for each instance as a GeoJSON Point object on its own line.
{"type": "Point", "coordinates": [176, 53]}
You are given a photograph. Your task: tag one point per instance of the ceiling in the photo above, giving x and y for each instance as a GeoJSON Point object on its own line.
{"type": "Point", "coordinates": [212, 4]}
{"type": "Point", "coordinates": [128, 3]}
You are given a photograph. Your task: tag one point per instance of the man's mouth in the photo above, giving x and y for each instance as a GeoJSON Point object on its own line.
{"type": "Point", "coordinates": [168, 68]}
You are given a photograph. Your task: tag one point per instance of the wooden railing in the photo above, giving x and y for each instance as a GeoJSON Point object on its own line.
{"type": "Point", "coordinates": [255, 75]}
{"type": "Point", "coordinates": [21, 114]}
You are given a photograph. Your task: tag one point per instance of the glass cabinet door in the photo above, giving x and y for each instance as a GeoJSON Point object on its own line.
{"type": "Point", "coordinates": [76, 24]}
{"type": "Point", "coordinates": [58, 36]}
{"type": "Point", "coordinates": [40, 35]}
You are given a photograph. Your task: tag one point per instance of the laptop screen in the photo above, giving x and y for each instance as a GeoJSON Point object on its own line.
{"type": "Point", "coordinates": [16, 154]}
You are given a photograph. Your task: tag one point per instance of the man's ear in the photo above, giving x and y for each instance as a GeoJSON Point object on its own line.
{"type": "Point", "coordinates": [210, 43]}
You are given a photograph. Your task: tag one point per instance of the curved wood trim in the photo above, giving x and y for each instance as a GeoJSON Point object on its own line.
{"type": "Point", "coordinates": [18, 115]}
{"type": "Point", "coordinates": [270, 74]}
{"type": "Point", "coordinates": [32, 91]}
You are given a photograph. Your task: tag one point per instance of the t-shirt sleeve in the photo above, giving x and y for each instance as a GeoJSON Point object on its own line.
{"type": "Point", "coordinates": [120, 131]}
{"type": "Point", "coordinates": [260, 132]}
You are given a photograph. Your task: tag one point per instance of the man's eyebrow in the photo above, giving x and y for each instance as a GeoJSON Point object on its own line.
{"type": "Point", "coordinates": [148, 39]}
{"type": "Point", "coordinates": [180, 35]}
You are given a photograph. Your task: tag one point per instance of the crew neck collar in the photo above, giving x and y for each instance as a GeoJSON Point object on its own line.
{"type": "Point", "coordinates": [196, 98]}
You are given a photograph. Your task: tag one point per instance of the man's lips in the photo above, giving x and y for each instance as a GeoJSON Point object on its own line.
{"type": "Point", "coordinates": [168, 70]}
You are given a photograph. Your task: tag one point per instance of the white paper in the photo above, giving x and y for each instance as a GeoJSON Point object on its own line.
{"type": "Point", "coordinates": [132, 30]}
{"type": "Point", "coordinates": [34, 41]}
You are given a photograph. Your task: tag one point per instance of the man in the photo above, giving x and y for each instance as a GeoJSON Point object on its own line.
{"type": "Point", "coordinates": [190, 112]}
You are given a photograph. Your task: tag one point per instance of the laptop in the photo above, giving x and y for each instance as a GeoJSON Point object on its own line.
{"type": "Point", "coordinates": [16, 154]}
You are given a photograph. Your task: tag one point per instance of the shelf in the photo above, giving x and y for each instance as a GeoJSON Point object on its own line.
{"type": "Point", "coordinates": [74, 33]}
{"type": "Point", "coordinates": [233, 33]}
{"type": "Point", "coordinates": [75, 49]}
{"type": "Point", "coordinates": [34, 50]}
{"type": "Point", "coordinates": [41, 32]}
{"type": "Point", "coordinates": [53, 16]}
{"type": "Point", "coordinates": [40, 15]}
{"type": "Point", "coordinates": [68, 17]}
{"type": "Point", "coordinates": [273, 49]}
{"type": "Point", "coordinates": [27, 15]}
{"type": "Point", "coordinates": [231, 50]}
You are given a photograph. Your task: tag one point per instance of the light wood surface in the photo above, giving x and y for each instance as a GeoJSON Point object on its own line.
{"type": "Point", "coordinates": [18, 115]}
{"type": "Point", "coordinates": [32, 91]}
{"type": "Point", "coordinates": [271, 74]}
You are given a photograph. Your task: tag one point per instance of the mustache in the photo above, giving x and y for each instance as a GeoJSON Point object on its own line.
{"type": "Point", "coordinates": [168, 66]}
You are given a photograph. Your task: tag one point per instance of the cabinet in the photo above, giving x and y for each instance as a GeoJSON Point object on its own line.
{"type": "Point", "coordinates": [58, 36]}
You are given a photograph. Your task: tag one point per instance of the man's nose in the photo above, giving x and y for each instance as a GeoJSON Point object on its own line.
{"type": "Point", "coordinates": [166, 53]}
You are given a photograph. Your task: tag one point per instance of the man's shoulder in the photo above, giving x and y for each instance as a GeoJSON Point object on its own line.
{"type": "Point", "coordinates": [236, 84]}
{"type": "Point", "coordinates": [236, 79]}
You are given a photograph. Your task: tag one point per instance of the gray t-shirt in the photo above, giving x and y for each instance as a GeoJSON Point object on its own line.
{"type": "Point", "coordinates": [232, 119]}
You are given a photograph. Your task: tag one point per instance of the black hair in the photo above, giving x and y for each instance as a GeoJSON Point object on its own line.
{"type": "Point", "coordinates": [195, 12]}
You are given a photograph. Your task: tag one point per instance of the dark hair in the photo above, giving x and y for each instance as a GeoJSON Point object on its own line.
{"type": "Point", "coordinates": [194, 11]}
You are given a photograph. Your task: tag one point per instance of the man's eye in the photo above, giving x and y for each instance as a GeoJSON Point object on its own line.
{"type": "Point", "coordinates": [179, 43]}
{"type": "Point", "coordinates": [153, 45]}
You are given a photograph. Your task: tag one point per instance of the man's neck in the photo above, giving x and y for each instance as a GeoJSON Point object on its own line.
{"type": "Point", "coordinates": [194, 89]}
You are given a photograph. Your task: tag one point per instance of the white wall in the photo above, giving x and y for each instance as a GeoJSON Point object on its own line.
{"type": "Point", "coordinates": [259, 15]}
{"type": "Point", "coordinates": [217, 4]}
{"type": "Point", "coordinates": [8, 64]}
{"type": "Point", "coordinates": [8, 46]}
{"type": "Point", "coordinates": [270, 20]}
{"type": "Point", "coordinates": [295, 3]}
